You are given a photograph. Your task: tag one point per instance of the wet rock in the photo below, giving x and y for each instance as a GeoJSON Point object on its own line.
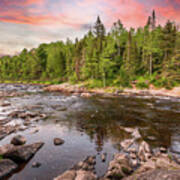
{"type": "Point", "coordinates": [76, 175]}
{"type": "Point", "coordinates": [136, 134]}
{"type": "Point", "coordinates": [163, 150]}
{"type": "Point", "coordinates": [5, 104]}
{"type": "Point", "coordinates": [18, 140]}
{"type": "Point", "coordinates": [35, 131]}
{"type": "Point", "coordinates": [103, 157]}
{"type": "Point", "coordinates": [126, 143]}
{"type": "Point", "coordinates": [157, 174]}
{"type": "Point", "coordinates": [68, 175]}
{"type": "Point", "coordinates": [15, 114]}
{"type": "Point", "coordinates": [129, 130]}
{"type": "Point", "coordinates": [134, 163]}
{"type": "Point", "coordinates": [36, 165]}
{"type": "Point", "coordinates": [87, 165]}
{"type": "Point", "coordinates": [58, 141]}
{"type": "Point", "coordinates": [133, 156]}
{"type": "Point", "coordinates": [8, 129]}
{"type": "Point", "coordinates": [144, 152]}
{"type": "Point", "coordinates": [23, 153]}
{"type": "Point", "coordinates": [6, 167]}
{"type": "Point", "coordinates": [87, 95]}
{"type": "Point", "coordinates": [91, 160]}
{"type": "Point", "coordinates": [85, 175]}
{"type": "Point", "coordinates": [132, 150]}
{"type": "Point", "coordinates": [119, 167]}
{"type": "Point", "coordinates": [6, 148]}
{"type": "Point", "coordinates": [163, 161]}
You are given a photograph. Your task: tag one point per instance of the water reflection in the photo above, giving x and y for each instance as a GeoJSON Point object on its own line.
{"type": "Point", "coordinates": [93, 126]}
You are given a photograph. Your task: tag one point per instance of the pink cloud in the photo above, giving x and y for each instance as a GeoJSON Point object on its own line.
{"type": "Point", "coordinates": [132, 13]}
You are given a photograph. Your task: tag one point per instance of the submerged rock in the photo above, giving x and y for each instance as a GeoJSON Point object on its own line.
{"type": "Point", "coordinates": [103, 157]}
{"type": "Point", "coordinates": [58, 141]}
{"type": "Point", "coordinates": [6, 167]}
{"type": "Point", "coordinates": [23, 153]}
{"type": "Point", "coordinates": [36, 164]}
{"type": "Point", "coordinates": [18, 140]}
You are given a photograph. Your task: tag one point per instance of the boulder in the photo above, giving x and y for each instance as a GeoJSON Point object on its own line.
{"type": "Point", "coordinates": [5, 104]}
{"type": "Point", "coordinates": [103, 157]}
{"type": "Point", "coordinates": [76, 175]}
{"type": "Point", "coordinates": [87, 165]}
{"type": "Point", "coordinates": [36, 164]}
{"type": "Point", "coordinates": [6, 167]}
{"type": "Point", "coordinates": [156, 174]}
{"type": "Point", "coordinates": [18, 140]}
{"type": "Point", "coordinates": [136, 134]}
{"type": "Point", "coordinates": [119, 167]}
{"type": "Point", "coordinates": [87, 95]}
{"type": "Point", "coordinates": [4, 149]}
{"type": "Point", "coordinates": [23, 153]}
{"type": "Point", "coordinates": [68, 175]}
{"type": "Point", "coordinates": [58, 141]}
{"type": "Point", "coordinates": [144, 152]}
{"type": "Point", "coordinates": [126, 143]}
{"type": "Point", "coordinates": [85, 175]}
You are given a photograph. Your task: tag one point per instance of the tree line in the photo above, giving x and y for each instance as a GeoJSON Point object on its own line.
{"type": "Point", "coordinates": [147, 55]}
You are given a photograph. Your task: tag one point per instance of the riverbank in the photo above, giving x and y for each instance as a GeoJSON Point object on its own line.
{"type": "Point", "coordinates": [83, 91]}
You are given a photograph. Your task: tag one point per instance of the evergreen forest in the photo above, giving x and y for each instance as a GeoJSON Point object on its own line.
{"type": "Point", "coordinates": [118, 57]}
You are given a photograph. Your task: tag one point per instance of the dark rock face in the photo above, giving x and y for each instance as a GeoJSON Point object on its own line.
{"type": "Point", "coordinates": [58, 141]}
{"type": "Point", "coordinates": [6, 167]}
{"type": "Point", "coordinates": [157, 174]}
{"type": "Point", "coordinates": [18, 140]}
{"type": "Point", "coordinates": [23, 153]}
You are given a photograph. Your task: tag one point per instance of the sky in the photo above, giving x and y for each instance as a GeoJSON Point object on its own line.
{"type": "Point", "coordinates": [28, 23]}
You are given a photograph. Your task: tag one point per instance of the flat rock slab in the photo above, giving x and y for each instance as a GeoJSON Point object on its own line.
{"type": "Point", "coordinates": [156, 175]}
{"type": "Point", "coordinates": [6, 167]}
{"type": "Point", "coordinates": [23, 153]}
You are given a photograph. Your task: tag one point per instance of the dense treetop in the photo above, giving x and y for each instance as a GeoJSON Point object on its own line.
{"type": "Point", "coordinates": [149, 55]}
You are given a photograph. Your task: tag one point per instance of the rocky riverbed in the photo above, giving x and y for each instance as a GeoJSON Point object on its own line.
{"type": "Point", "coordinates": [81, 136]}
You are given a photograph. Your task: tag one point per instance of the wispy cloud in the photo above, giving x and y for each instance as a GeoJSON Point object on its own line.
{"type": "Point", "coordinates": [51, 20]}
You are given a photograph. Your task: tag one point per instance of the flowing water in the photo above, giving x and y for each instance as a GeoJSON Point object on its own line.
{"type": "Point", "coordinates": [89, 126]}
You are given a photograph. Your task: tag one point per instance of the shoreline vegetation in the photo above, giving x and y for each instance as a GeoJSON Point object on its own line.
{"type": "Point", "coordinates": [121, 57]}
{"type": "Point", "coordinates": [84, 89]}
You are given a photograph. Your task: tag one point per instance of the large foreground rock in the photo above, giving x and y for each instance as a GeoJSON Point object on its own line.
{"type": "Point", "coordinates": [157, 174]}
{"type": "Point", "coordinates": [23, 153]}
{"type": "Point", "coordinates": [6, 167]}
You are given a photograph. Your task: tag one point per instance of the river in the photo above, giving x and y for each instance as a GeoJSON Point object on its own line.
{"type": "Point", "coordinates": [89, 126]}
